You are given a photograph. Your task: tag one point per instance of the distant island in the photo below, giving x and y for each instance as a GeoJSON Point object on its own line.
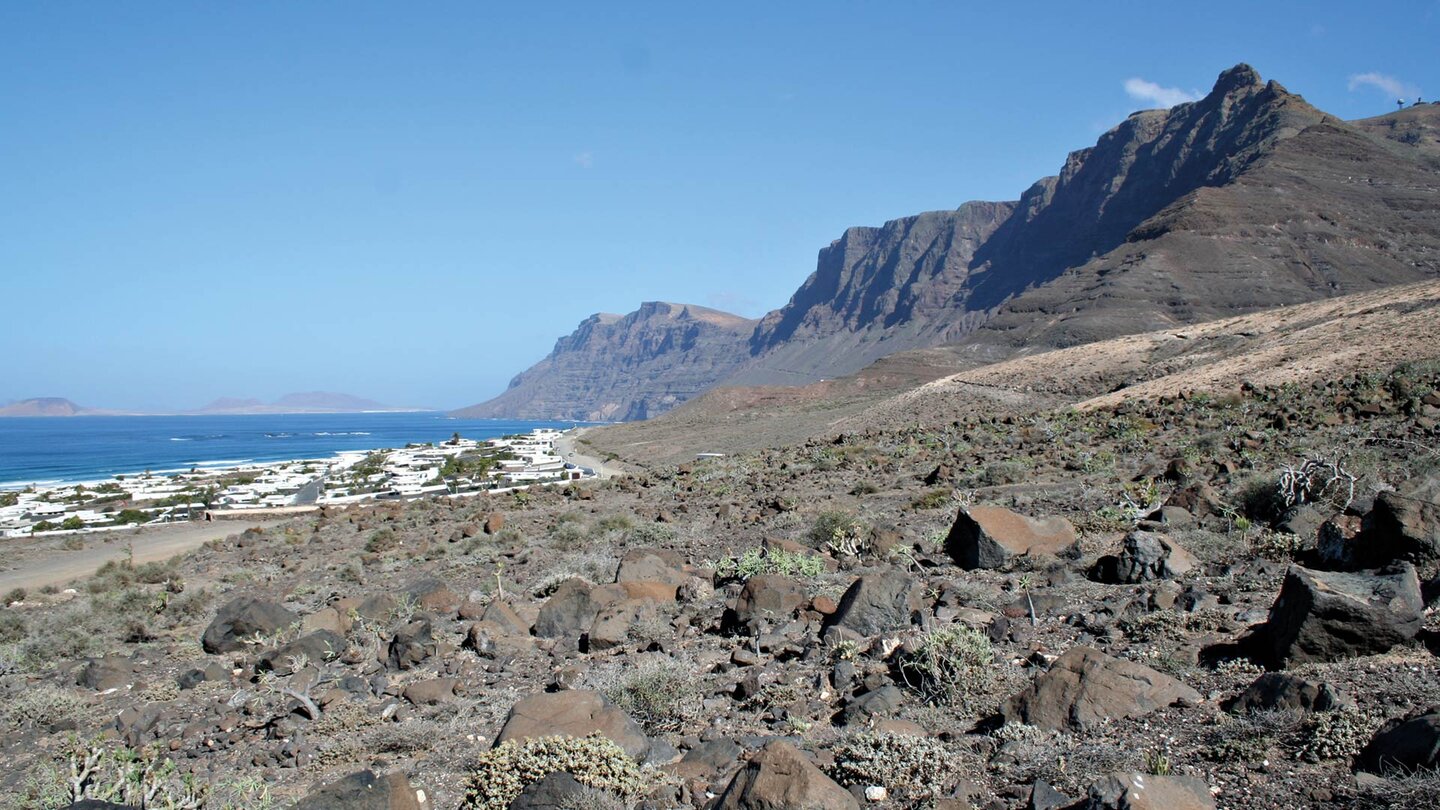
{"type": "Point", "coordinates": [304, 402]}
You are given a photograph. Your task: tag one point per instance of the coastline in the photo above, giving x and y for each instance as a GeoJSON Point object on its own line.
{"type": "Point", "coordinates": [55, 451]}
{"type": "Point", "coordinates": [245, 489]}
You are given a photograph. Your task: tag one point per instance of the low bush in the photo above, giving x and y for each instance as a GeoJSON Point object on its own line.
{"type": "Point", "coordinates": [756, 560]}
{"type": "Point", "coordinates": [595, 761]}
{"type": "Point", "coordinates": [949, 665]}
{"type": "Point", "coordinates": [913, 769]}
{"type": "Point", "coordinates": [663, 696]}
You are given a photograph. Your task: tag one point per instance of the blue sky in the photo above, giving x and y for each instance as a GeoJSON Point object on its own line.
{"type": "Point", "coordinates": [411, 201]}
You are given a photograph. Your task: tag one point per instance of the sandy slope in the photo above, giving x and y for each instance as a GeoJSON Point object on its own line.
{"type": "Point", "coordinates": [40, 562]}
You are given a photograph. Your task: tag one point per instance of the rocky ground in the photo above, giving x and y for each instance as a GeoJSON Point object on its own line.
{"type": "Point", "coordinates": [1211, 600]}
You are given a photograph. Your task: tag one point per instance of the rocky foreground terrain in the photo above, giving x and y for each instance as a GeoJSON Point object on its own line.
{"type": "Point", "coordinates": [1214, 599]}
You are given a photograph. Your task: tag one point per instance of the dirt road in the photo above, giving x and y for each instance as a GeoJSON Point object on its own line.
{"type": "Point", "coordinates": [36, 563]}
{"type": "Point", "coordinates": [566, 445]}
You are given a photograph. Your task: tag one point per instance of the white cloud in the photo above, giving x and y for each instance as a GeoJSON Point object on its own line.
{"type": "Point", "coordinates": [585, 160]}
{"type": "Point", "coordinates": [1152, 93]}
{"type": "Point", "coordinates": [1389, 85]}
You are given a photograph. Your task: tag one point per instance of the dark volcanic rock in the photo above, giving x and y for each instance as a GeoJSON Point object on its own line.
{"type": "Point", "coordinates": [1405, 524]}
{"type": "Point", "coordinates": [1085, 687]}
{"type": "Point", "coordinates": [241, 619]}
{"type": "Point", "coordinates": [880, 602]}
{"type": "Point", "coordinates": [780, 777]}
{"type": "Point", "coordinates": [1280, 691]}
{"type": "Point", "coordinates": [989, 536]}
{"type": "Point", "coordinates": [1329, 616]}
{"type": "Point", "coordinates": [1408, 744]}
{"type": "Point", "coordinates": [366, 791]}
{"type": "Point", "coordinates": [573, 713]}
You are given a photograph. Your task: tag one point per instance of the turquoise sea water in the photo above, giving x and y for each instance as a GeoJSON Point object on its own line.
{"type": "Point", "coordinates": [60, 449]}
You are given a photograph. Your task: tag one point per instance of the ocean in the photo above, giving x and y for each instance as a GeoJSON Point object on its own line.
{"type": "Point", "coordinates": [54, 450]}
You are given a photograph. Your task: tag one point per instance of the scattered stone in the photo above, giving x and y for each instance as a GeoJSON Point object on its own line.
{"type": "Point", "coordinates": [411, 645]}
{"type": "Point", "coordinates": [880, 602]}
{"type": "Point", "coordinates": [1085, 687]}
{"type": "Point", "coordinates": [1405, 524]}
{"type": "Point", "coordinates": [1330, 616]}
{"type": "Point", "coordinates": [1410, 744]}
{"type": "Point", "coordinates": [767, 597]}
{"type": "Point", "coordinates": [990, 536]}
{"type": "Point", "coordinates": [573, 713]}
{"type": "Point", "coordinates": [1145, 556]}
{"type": "Point", "coordinates": [1278, 691]}
{"type": "Point", "coordinates": [365, 791]}
{"type": "Point", "coordinates": [242, 620]}
{"type": "Point", "coordinates": [782, 778]}
{"type": "Point", "coordinates": [1143, 791]}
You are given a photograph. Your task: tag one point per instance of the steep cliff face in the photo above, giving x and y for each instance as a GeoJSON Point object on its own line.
{"type": "Point", "coordinates": [932, 279]}
{"type": "Point", "coordinates": [618, 368]}
{"type": "Point", "coordinates": [1247, 199]}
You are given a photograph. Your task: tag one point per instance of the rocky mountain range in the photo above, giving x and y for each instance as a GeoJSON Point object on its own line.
{"type": "Point", "coordinates": [626, 367]}
{"type": "Point", "coordinates": [1247, 199]}
{"type": "Point", "coordinates": [304, 402]}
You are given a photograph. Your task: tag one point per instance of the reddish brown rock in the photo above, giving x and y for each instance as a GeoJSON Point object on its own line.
{"type": "Point", "coordinates": [990, 536]}
{"type": "Point", "coordinates": [782, 778]}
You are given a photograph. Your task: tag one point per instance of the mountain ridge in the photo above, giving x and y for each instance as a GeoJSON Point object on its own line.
{"type": "Point", "coordinates": [1248, 198]}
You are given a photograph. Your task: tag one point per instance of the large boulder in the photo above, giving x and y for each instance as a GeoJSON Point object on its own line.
{"type": "Point", "coordinates": [1407, 744]}
{"type": "Point", "coordinates": [241, 620]}
{"type": "Point", "coordinates": [1085, 687]}
{"type": "Point", "coordinates": [881, 602]}
{"type": "Point", "coordinates": [1331, 615]}
{"type": "Point", "coordinates": [652, 565]}
{"type": "Point", "coordinates": [991, 536]}
{"type": "Point", "coordinates": [568, 613]}
{"type": "Point", "coordinates": [1279, 691]}
{"type": "Point", "coordinates": [557, 791]}
{"type": "Point", "coordinates": [573, 713]}
{"type": "Point", "coordinates": [767, 597]}
{"type": "Point", "coordinates": [312, 648]}
{"type": "Point", "coordinates": [1405, 524]}
{"type": "Point", "coordinates": [1143, 791]}
{"type": "Point", "coordinates": [782, 778]}
{"type": "Point", "coordinates": [366, 791]}
{"type": "Point", "coordinates": [411, 645]}
{"type": "Point", "coordinates": [1145, 556]}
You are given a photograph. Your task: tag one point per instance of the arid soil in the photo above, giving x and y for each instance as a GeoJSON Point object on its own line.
{"type": "Point", "coordinates": [989, 611]}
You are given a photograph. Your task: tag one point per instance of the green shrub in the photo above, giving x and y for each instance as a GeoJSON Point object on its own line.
{"type": "Point", "coordinates": [44, 706]}
{"type": "Point", "coordinates": [652, 534]}
{"type": "Point", "coordinates": [840, 532]}
{"type": "Point", "coordinates": [12, 626]}
{"type": "Point", "coordinates": [757, 560]}
{"type": "Point", "coordinates": [16, 595]}
{"type": "Point", "coordinates": [596, 761]}
{"type": "Point", "coordinates": [381, 541]}
{"type": "Point", "coordinates": [662, 696]}
{"type": "Point", "coordinates": [949, 665]}
{"type": "Point", "coordinates": [616, 523]}
{"type": "Point", "coordinates": [934, 499]}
